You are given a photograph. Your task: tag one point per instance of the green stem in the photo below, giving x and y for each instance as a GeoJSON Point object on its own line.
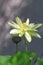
{"type": "Point", "coordinates": [16, 48]}
{"type": "Point", "coordinates": [26, 49]}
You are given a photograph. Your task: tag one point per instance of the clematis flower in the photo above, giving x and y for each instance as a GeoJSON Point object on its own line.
{"type": "Point", "coordinates": [26, 29]}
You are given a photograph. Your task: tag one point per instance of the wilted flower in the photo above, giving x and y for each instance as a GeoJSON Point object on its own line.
{"type": "Point", "coordinates": [25, 29]}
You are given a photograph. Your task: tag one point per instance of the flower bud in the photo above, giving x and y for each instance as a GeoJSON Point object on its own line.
{"type": "Point", "coordinates": [16, 39]}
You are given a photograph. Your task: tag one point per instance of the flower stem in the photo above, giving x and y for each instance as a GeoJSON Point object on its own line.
{"type": "Point", "coordinates": [16, 48]}
{"type": "Point", "coordinates": [26, 49]}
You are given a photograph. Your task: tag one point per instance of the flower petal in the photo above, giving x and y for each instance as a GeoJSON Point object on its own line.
{"type": "Point", "coordinates": [34, 34]}
{"type": "Point", "coordinates": [21, 34]}
{"type": "Point", "coordinates": [37, 26]}
{"type": "Point", "coordinates": [18, 21]}
{"type": "Point", "coordinates": [14, 31]}
{"type": "Point", "coordinates": [27, 21]}
{"type": "Point", "coordinates": [31, 25]}
{"type": "Point", "coordinates": [28, 36]}
{"type": "Point", "coordinates": [13, 24]}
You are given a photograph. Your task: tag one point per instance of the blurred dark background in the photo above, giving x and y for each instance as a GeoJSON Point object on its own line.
{"type": "Point", "coordinates": [9, 9]}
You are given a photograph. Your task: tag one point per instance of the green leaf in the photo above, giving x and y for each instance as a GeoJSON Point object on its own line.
{"type": "Point", "coordinates": [18, 21]}
{"type": "Point", "coordinates": [4, 59]}
{"type": "Point", "coordinates": [28, 37]}
{"type": "Point", "coordinates": [39, 61]}
{"type": "Point", "coordinates": [22, 58]}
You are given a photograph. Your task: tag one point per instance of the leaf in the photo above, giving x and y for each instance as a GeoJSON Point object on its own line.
{"type": "Point", "coordinates": [22, 58]}
{"type": "Point", "coordinates": [18, 21]}
{"type": "Point", "coordinates": [4, 59]}
{"type": "Point", "coordinates": [39, 61]}
{"type": "Point", "coordinates": [28, 37]}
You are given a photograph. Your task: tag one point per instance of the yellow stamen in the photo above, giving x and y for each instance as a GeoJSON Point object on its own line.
{"type": "Point", "coordinates": [22, 27]}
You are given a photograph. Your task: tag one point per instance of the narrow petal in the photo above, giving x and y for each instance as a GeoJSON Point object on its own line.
{"type": "Point", "coordinates": [28, 36]}
{"type": "Point", "coordinates": [31, 25]}
{"type": "Point", "coordinates": [18, 21]}
{"type": "Point", "coordinates": [14, 31]}
{"type": "Point", "coordinates": [27, 21]}
{"type": "Point", "coordinates": [37, 26]}
{"type": "Point", "coordinates": [34, 34]}
{"type": "Point", "coordinates": [38, 35]}
{"type": "Point", "coordinates": [13, 24]}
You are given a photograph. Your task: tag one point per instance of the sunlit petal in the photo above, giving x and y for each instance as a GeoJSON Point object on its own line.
{"type": "Point", "coordinates": [28, 36]}
{"type": "Point", "coordinates": [14, 31]}
{"type": "Point", "coordinates": [31, 25]}
{"type": "Point", "coordinates": [35, 34]}
{"type": "Point", "coordinates": [27, 21]}
{"type": "Point", "coordinates": [13, 24]}
{"type": "Point", "coordinates": [18, 21]}
{"type": "Point", "coordinates": [37, 26]}
{"type": "Point", "coordinates": [21, 34]}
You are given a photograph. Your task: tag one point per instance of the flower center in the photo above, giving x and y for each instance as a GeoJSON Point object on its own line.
{"type": "Point", "coordinates": [22, 27]}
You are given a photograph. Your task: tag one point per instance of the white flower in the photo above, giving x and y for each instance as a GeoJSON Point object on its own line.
{"type": "Point", "coordinates": [26, 29]}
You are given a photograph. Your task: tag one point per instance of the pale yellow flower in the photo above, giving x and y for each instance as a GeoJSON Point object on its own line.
{"type": "Point", "coordinates": [25, 29]}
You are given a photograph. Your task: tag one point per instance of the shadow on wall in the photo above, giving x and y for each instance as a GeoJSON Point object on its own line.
{"type": "Point", "coordinates": [9, 9]}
